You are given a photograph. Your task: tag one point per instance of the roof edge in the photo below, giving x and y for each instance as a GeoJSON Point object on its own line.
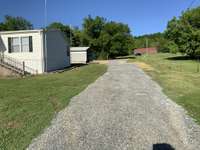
{"type": "Point", "coordinates": [78, 49]}
{"type": "Point", "coordinates": [21, 31]}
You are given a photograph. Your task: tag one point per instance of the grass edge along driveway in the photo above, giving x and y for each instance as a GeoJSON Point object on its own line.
{"type": "Point", "coordinates": [178, 77]}
{"type": "Point", "coordinates": [28, 105]}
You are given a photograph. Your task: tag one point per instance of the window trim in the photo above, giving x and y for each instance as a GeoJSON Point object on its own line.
{"type": "Point", "coordinates": [10, 44]}
{"type": "Point", "coordinates": [25, 44]}
{"type": "Point", "coordinates": [18, 44]}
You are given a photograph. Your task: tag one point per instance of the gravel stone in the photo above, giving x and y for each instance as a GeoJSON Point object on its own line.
{"type": "Point", "coordinates": [123, 110]}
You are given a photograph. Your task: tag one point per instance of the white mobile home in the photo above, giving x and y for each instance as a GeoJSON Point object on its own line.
{"type": "Point", "coordinates": [39, 51]}
{"type": "Point", "coordinates": [79, 55]}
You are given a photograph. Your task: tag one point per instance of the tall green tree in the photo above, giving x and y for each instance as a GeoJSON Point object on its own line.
{"type": "Point", "coordinates": [77, 37]}
{"type": "Point", "coordinates": [15, 23]}
{"type": "Point", "coordinates": [185, 32]}
{"type": "Point", "coordinates": [152, 40]}
{"type": "Point", "coordinates": [74, 36]}
{"type": "Point", "coordinates": [2, 27]}
{"type": "Point", "coordinates": [107, 38]}
{"type": "Point", "coordinates": [93, 26]}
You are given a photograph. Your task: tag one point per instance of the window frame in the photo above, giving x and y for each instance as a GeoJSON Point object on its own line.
{"type": "Point", "coordinates": [25, 44]}
{"type": "Point", "coordinates": [20, 44]}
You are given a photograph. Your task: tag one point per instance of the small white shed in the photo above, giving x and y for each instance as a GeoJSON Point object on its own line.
{"type": "Point", "coordinates": [79, 55]}
{"type": "Point", "coordinates": [40, 51]}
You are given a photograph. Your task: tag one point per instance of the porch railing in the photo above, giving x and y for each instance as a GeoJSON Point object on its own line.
{"type": "Point", "coordinates": [16, 64]}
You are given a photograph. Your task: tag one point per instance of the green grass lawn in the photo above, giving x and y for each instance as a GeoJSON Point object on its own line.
{"type": "Point", "coordinates": [28, 105]}
{"type": "Point", "coordinates": [180, 79]}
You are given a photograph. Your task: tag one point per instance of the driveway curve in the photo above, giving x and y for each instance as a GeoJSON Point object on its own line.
{"type": "Point", "coordinates": [123, 110]}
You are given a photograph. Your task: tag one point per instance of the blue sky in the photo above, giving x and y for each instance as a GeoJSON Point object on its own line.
{"type": "Point", "coordinates": [142, 16]}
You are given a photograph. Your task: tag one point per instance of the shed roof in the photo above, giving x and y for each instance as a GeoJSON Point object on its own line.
{"type": "Point", "coordinates": [79, 48]}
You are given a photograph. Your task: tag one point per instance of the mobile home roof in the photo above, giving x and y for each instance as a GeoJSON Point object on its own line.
{"type": "Point", "coordinates": [20, 31]}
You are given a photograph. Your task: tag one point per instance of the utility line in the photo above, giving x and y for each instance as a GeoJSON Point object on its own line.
{"type": "Point", "coordinates": [191, 4]}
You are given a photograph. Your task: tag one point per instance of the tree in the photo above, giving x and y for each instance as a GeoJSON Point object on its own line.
{"type": "Point", "coordinates": [172, 47]}
{"type": "Point", "coordinates": [154, 40]}
{"type": "Point", "coordinates": [77, 38]}
{"type": "Point", "coordinates": [107, 39]}
{"type": "Point", "coordinates": [173, 30]}
{"type": "Point", "coordinates": [74, 36]}
{"type": "Point", "coordinates": [15, 23]}
{"type": "Point", "coordinates": [2, 27]}
{"type": "Point", "coordinates": [64, 28]}
{"type": "Point", "coordinates": [191, 17]}
{"type": "Point", "coordinates": [93, 26]}
{"type": "Point", "coordinates": [185, 32]}
{"type": "Point", "coordinates": [121, 38]}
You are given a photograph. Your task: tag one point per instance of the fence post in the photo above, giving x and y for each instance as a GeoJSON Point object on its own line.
{"type": "Point", "coordinates": [23, 67]}
{"type": "Point", "coordinates": [1, 56]}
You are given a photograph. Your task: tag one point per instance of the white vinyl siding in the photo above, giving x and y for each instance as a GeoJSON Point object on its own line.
{"type": "Point", "coordinates": [35, 58]}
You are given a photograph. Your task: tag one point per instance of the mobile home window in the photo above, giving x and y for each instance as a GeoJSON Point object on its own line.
{"type": "Point", "coordinates": [25, 44]}
{"type": "Point", "coordinates": [15, 44]}
{"type": "Point", "coordinates": [20, 44]}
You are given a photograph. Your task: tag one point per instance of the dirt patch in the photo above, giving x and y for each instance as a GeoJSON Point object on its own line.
{"type": "Point", "coordinates": [7, 73]}
{"type": "Point", "coordinates": [13, 125]}
{"type": "Point", "coordinates": [144, 66]}
{"type": "Point", "coordinates": [56, 105]}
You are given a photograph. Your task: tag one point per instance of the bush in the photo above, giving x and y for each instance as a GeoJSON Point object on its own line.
{"type": "Point", "coordinates": [173, 48]}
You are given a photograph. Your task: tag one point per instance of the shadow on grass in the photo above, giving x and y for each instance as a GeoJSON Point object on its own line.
{"type": "Point", "coordinates": [181, 58]}
{"type": "Point", "coordinates": [162, 146]}
{"type": "Point", "coordinates": [78, 65]}
{"type": "Point", "coordinates": [73, 66]}
{"type": "Point", "coordinates": [126, 57]}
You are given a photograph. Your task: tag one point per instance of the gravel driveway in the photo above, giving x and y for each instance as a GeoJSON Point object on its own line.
{"type": "Point", "coordinates": [123, 110]}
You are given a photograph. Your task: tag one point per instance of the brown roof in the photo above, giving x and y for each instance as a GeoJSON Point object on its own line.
{"type": "Point", "coordinates": [146, 50]}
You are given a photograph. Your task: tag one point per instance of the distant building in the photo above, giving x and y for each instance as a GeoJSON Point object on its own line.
{"type": "Point", "coordinates": [141, 51]}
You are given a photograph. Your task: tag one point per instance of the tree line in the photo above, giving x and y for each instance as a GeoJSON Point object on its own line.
{"type": "Point", "coordinates": [181, 35]}
{"type": "Point", "coordinates": [109, 39]}
{"type": "Point", "coordinates": [15, 23]}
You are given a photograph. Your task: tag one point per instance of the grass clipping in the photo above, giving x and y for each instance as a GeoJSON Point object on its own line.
{"type": "Point", "coordinates": [144, 66]}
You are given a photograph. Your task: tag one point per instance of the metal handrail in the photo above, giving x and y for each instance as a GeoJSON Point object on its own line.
{"type": "Point", "coordinates": [16, 64]}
